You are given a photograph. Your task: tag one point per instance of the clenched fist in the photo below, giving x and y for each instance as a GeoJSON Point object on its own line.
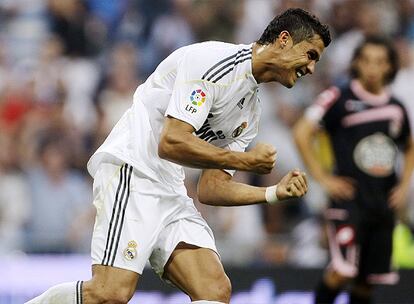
{"type": "Point", "coordinates": [262, 158]}
{"type": "Point", "coordinates": [293, 184]}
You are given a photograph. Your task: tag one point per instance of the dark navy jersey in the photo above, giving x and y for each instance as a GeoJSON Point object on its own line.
{"type": "Point", "coordinates": [367, 131]}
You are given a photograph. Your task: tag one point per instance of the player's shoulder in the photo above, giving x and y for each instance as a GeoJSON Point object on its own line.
{"type": "Point", "coordinates": [208, 59]}
{"type": "Point", "coordinates": [330, 96]}
{"type": "Point", "coordinates": [342, 92]}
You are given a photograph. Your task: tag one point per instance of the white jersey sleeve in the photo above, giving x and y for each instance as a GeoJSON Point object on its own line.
{"type": "Point", "coordinates": [192, 97]}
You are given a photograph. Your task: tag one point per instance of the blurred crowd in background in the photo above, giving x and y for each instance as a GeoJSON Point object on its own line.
{"type": "Point", "coordinates": [69, 68]}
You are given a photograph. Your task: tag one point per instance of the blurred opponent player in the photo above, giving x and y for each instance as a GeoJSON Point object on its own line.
{"type": "Point", "coordinates": [198, 109]}
{"type": "Point", "coordinates": [367, 127]}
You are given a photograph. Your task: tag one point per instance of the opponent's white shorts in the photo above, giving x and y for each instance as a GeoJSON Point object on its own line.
{"type": "Point", "coordinates": [139, 219]}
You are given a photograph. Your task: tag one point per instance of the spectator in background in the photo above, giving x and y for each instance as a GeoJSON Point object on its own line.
{"type": "Point", "coordinates": [215, 20]}
{"type": "Point", "coordinates": [249, 26]}
{"type": "Point", "coordinates": [58, 195]}
{"type": "Point", "coordinates": [69, 21]}
{"type": "Point", "coordinates": [119, 86]}
{"type": "Point", "coordinates": [80, 80]}
{"type": "Point", "coordinates": [23, 27]}
{"type": "Point", "coordinates": [405, 11]}
{"type": "Point", "coordinates": [361, 22]}
{"type": "Point", "coordinates": [48, 71]}
{"type": "Point", "coordinates": [14, 199]}
{"type": "Point", "coordinates": [3, 70]}
{"type": "Point", "coordinates": [110, 13]}
{"type": "Point", "coordinates": [163, 40]}
{"type": "Point", "coordinates": [17, 99]}
{"type": "Point", "coordinates": [149, 11]}
{"type": "Point", "coordinates": [368, 127]}
{"type": "Point", "coordinates": [194, 20]}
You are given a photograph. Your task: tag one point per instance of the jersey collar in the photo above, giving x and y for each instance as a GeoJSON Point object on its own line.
{"type": "Point", "coordinates": [368, 97]}
{"type": "Point", "coordinates": [249, 74]}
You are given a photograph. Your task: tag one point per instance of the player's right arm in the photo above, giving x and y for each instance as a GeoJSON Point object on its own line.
{"type": "Point", "coordinates": [217, 188]}
{"type": "Point", "coordinates": [179, 145]}
{"type": "Point", "coordinates": [337, 187]}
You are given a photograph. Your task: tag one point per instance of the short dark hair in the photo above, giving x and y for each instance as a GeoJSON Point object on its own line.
{"type": "Point", "coordinates": [299, 23]}
{"type": "Point", "coordinates": [391, 51]}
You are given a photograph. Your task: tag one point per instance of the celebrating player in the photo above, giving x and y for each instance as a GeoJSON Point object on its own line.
{"type": "Point", "coordinates": [367, 127]}
{"type": "Point", "coordinates": [198, 109]}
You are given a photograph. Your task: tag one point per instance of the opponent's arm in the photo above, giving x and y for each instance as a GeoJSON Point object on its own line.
{"type": "Point", "coordinates": [336, 186]}
{"type": "Point", "coordinates": [399, 193]}
{"type": "Point", "coordinates": [304, 133]}
{"type": "Point", "coordinates": [408, 163]}
{"type": "Point", "coordinates": [179, 145]}
{"type": "Point", "coordinates": [216, 188]}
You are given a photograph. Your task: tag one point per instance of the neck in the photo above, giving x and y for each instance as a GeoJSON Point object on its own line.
{"type": "Point", "coordinates": [264, 63]}
{"type": "Point", "coordinates": [375, 89]}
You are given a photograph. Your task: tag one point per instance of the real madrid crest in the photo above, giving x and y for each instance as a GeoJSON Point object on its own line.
{"type": "Point", "coordinates": [239, 129]}
{"type": "Point", "coordinates": [131, 251]}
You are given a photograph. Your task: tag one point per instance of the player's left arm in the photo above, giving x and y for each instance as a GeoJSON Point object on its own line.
{"type": "Point", "coordinates": [399, 193]}
{"type": "Point", "coordinates": [216, 188]}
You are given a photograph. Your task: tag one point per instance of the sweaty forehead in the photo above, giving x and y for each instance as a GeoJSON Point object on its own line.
{"type": "Point", "coordinates": [317, 43]}
{"type": "Point", "coordinates": [314, 43]}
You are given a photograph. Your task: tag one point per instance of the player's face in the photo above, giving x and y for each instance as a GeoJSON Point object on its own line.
{"type": "Point", "coordinates": [373, 66]}
{"type": "Point", "coordinates": [300, 59]}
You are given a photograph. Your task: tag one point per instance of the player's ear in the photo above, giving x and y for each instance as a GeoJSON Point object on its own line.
{"type": "Point", "coordinates": [284, 38]}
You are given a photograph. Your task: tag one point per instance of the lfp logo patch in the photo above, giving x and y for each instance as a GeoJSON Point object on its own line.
{"type": "Point", "coordinates": [198, 97]}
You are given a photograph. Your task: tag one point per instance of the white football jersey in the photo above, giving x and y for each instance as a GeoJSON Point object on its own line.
{"type": "Point", "coordinates": [208, 85]}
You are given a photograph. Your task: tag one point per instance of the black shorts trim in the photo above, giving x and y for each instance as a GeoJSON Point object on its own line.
{"type": "Point", "coordinates": [79, 299]}
{"type": "Point", "coordinates": [118, 215]}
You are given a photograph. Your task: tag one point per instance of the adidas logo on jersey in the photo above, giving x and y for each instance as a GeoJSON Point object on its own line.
{"type": "Point", "coordinates": [241, 103]}
{"type": "Point", "coordinates": [207, 134]}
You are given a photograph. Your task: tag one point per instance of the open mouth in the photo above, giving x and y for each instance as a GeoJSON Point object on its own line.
{"type": "Point", "coordinates": [300, 73]}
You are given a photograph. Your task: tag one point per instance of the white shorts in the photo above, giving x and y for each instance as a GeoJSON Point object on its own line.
{"type": "Point", "coordinates": [139, 219]}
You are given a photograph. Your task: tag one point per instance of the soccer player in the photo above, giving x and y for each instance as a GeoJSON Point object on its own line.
{"type": "Point", "coordinates": [368, 128]}
{"type": "Point", "coordinates": [198, 109]}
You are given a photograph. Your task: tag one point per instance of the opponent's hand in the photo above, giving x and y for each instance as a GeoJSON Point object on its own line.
{"type": "Point", "coordinates": [339, 188]}
{"type": "Point", "coordinates": [398, 196]}
{"type": "Point", "coordinates": [293, 184]}
{"type": "Point", "coordinates": [262, 158]}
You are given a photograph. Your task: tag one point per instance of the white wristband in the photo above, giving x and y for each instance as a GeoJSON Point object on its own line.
{"type": "Point", "coordinates": [271, 196]}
